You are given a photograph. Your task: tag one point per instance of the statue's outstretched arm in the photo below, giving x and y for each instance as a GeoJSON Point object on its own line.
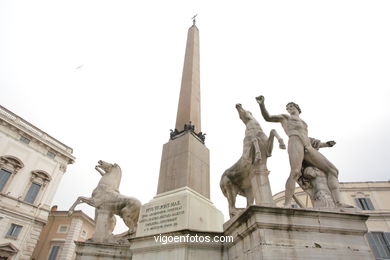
{"type": "Point", "coordinates": [264, 112]}
{"type": "Point", "coordinates": [317, 144]}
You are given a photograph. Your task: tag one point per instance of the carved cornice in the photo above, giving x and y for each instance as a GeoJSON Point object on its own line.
{"type": "Point", "coordinates": [7, 118]}
{"type": "Point", "coordinates": [188, 128]}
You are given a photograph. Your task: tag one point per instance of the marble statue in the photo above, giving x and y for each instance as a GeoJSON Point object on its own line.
{"type": "Point", "coordinates": [109, 202]}
{"type": "Point", "coordinates": [300, 149]}
{"type": "Point", "coordinates": [249, 175]}
{"type": "Point", "coordinates": [314, 181]}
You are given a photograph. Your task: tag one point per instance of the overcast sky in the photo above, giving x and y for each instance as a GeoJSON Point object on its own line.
{"type": "Point", "coordinates": [103, 77]}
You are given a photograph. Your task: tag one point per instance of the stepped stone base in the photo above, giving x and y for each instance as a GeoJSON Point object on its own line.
{"type": "Point", "coordinates": [265, 233]}
{"type": "Point", "coordinates": [102, 251]}
{"type": "Point", "coordinates": [281, 233]}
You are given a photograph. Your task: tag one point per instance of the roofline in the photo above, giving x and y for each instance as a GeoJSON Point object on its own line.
{"type": "Point", "coordinates": [34, 131]}
{"type": "Point", "coordinates": [345, 182]}
{"type": "Point", "coordinates": [64, 213]}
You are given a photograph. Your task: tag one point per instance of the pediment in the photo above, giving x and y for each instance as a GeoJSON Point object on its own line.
{"type": "Point", "coordinates": [8, 249]}
{"type": "Point", "coordinates": [12, 160]}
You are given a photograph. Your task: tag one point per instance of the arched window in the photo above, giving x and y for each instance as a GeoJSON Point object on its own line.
{"type": "Point", "coordinates": [9, 166]}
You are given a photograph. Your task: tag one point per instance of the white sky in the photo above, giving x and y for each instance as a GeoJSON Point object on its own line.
{"type": "Point", "coordinates": [104, 77]}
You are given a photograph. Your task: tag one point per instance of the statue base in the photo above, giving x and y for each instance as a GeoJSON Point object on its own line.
{"type": "Point", "coordinates": [180, 209]}
{"type": "Point", "coordinates": [183, 244]}
{"type": "Point", "coordinates": [283, 233]}
{"type": "Point", "coordinates": [102, 251]}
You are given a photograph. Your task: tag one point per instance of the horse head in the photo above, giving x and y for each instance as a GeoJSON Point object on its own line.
{"type": "Point", "coordinates": [245, 115]}
{"type": "Point", "coordinates": [112, 174]}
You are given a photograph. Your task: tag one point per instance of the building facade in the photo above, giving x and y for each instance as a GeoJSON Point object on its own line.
{"type": "Point", "coordinates": [56, 241]}
{"type": "Point", "coordinates": [32, 164]}
{"type": "Point", "coordinates": [373, 198]}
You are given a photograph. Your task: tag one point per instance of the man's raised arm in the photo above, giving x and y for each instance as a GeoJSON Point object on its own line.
{"type": "Point", "coordinates": [264, 112]}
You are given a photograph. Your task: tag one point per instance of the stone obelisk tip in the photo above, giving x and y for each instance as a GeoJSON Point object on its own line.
{"type": "Point", "coordinates": [188, 112]}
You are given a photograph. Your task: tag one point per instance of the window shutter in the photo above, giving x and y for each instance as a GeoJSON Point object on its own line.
{"type": "Point", "coordinates": [369, 203]}
{"type": "Point", "coordinates": [4, 176]}
{"type": "Point", "coordinates": [373, 244]}
{"type": "Point", "coordinates": [32, 193]}
{"type": "Point", "coordinates": [54, 252]}
{"type": "Point", "coordinates": [358, 203]}
{"type": "Point", "coordinates": [17, 231]}
{"type": "Point", "coordinates": [14, 230]}
{"type": "Point", "coordinates": [386, 235]}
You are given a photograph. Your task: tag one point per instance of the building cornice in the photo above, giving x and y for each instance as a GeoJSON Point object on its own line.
{"type": "Point", "coordinates": [37, 134]}
{"type": "Point", "coordinates": [75, 214]}
{"type": "Point", "coordinates": [346, 186]}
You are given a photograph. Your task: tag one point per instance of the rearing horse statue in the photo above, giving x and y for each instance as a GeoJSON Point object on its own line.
{"type": "Point", "coordinates": [249, 175]}
{"type": "Point", "coordinates": [108, 202]}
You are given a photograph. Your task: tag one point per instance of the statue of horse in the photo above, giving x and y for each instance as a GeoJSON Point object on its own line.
{"type": "Point", "coordinates": [249, 175]}
{"type": "Point", "coordinates": [108, 202]}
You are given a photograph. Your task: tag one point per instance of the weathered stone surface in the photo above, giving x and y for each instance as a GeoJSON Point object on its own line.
{"type": "Point", "coordinates": [102, 251]}
{"type": "Point", "coordinates": [150, 247]}
{"type": "Point", "coordinates": [185, 162]}
{"type": "Point", "coordinates": [177, 210]}
{"type": "Point", "coordinates": [300, 149]}
{"type": "Point", "coordinates": [249, 175]}
{"type": "Point", "coordinates": [109, 202]}
{"type": "Point", "coordinates": [281, 233]}
{"type": "Point", "coordinates": [189, 101]}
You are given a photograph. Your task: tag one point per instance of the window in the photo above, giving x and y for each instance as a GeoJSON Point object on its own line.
{"type": "Point", "coordinates": [54, 252]}
{"type": "Point", "coordinates": [380, 244]}
{"type": "Point", "coordinates": [4, 176]}
{"type": "Point", "coordinates": [364, 203]}
{"type": "Point", "coordinates": [294, 206]}
{"type": "Point", "coordinates": [32, 193]}
{"type": "Point", "coordinates": [24, 140]}
{"type": "Point", "coordinates": [9, 166]}
{"type": "Point", "coordinates": [83, 234]}
{"type": "Point", "coordinates": [51, 154]}
{"type": "Point", "coordinates": [62, 229]}
{"type": "Point", "coordinates": [14, 231]}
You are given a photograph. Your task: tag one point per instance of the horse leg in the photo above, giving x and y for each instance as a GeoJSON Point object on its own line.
{"type": "Point", "coordinates": [130, 214]}
{"type": "Point", "coordinates": [249, 197]}
{"type": "Point", "coordinates": [231, 194]}
{"type": "Point", "coordinates": [77, 202]}
{"type": "Point", "coordinates": [80, 200]}
{"type": "Point", "coordinates": [270, 142]}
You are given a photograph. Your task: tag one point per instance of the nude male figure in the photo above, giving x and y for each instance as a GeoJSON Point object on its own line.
{"type": "Point", "coordinates": [300, 149]}
{"type": "Point", "coordinates": [315, 182]}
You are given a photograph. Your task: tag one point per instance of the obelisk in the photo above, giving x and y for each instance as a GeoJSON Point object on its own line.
{"type": "Point", "coordinates": [185, 158]}
{"type": "Point", "coordinates": [189, 101]}
{"type": "Point", "coordinates": [183, 193]}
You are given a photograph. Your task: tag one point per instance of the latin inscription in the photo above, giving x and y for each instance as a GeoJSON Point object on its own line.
{"type": "Point", "coordinates": [162, 216]}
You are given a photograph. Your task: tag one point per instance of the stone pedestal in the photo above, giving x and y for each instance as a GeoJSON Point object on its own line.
{"type": "Point", "coordinates": [189, 245]}
{"type": "Point", "coordinates": [104, 221]}
{"type": "Point", "coordinates": [262, 188]}
{"type": "Point", "coordinates": [180, 209]}
{"type": "Point", "coordinates": [102, 251]}
{"type": "Point", "coordinates": [185, 162]}
{"type": "Point", "coordinates": [280, 233]}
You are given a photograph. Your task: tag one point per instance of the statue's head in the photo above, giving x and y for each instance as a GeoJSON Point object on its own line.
{"type": "Point", "coordinates": [290, 107]}
{"type": "Point", "coordinates": [245, 115]}
{"type": "Point", "coordinates": [105, 165]}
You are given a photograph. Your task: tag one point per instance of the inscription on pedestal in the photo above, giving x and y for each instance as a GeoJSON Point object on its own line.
{"type": "Point", "coordinates": [162, 216]}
